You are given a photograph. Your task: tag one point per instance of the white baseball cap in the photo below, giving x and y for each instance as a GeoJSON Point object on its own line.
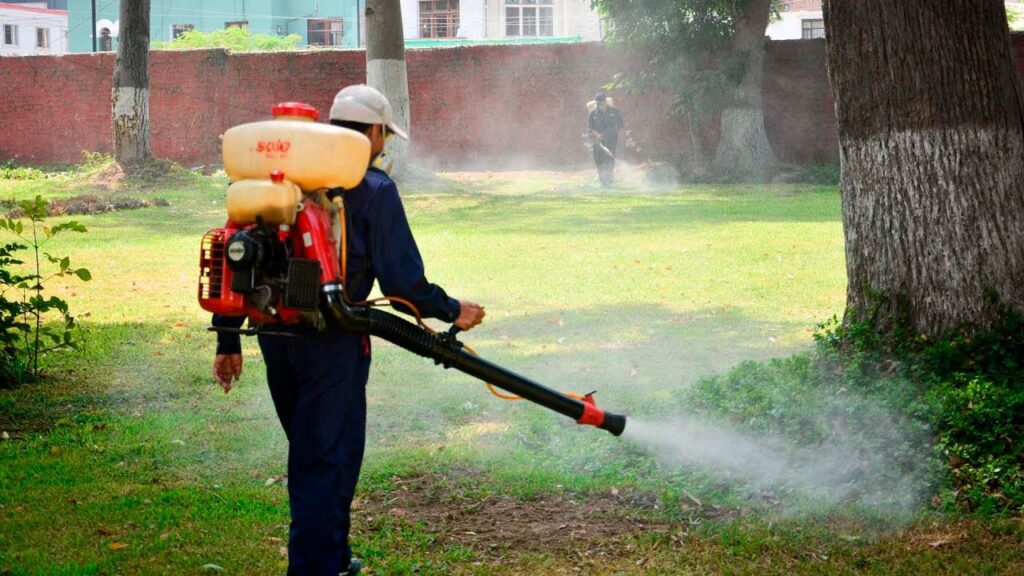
{"type": "Point", "coordinates": [361, 103]}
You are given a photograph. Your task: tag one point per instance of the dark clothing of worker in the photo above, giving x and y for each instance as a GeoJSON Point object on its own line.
{"type": "Point", "coordinates": [607, 123]}
{"type": "Point", "coordinates": [318, 384]}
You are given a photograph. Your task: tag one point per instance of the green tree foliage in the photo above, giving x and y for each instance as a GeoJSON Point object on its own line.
{"type": "Point", "coordinates": [31, 322]}
{"type": "Point", "coordinates": [234, 39]}
{"type": "Point", "coordinates": [1015, 16]}
{"type": "Point", "coordinates": [685, 48]}
{"type": "Point", "coordinates": [682, 43]}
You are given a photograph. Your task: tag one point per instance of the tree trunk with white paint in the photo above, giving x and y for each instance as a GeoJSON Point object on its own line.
{"type": "Point", "coordinates": [130, 96]}
{"type": "Point", "coordinates": [931, 135]}
{"type": "Point", "coordinates": [385, 68]}
{"type": "Point", "coordinates": [743, 146]}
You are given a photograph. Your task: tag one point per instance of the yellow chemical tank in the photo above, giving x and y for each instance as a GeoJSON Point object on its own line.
{"type": "Point", "coordinates": [275, 199]}
{"type": "Point", "coordinates": [311, 154]}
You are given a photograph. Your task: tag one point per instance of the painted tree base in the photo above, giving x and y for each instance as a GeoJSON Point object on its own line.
{"type": "Point", "coordinates": [389, 76]}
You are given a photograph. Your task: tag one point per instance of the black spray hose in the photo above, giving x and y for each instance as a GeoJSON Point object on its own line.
{"type": "Point", "coordinates": [447, 351]}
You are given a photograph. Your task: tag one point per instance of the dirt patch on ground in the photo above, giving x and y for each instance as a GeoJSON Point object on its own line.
{"type": "Point", "coordinates": [495, 525]}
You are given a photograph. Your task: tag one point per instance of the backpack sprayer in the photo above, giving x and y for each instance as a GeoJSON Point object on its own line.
{"type": "Point", "coordinates": [280, 258]}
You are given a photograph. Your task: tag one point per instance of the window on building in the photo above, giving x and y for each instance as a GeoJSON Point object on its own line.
{"type": "Point", "coordinates": [179, 29]}
{"type": "Point", "coordinates": [243, 24]}
{"type": "Point", "coordinates": [11, 34]}
{"type": "Point", "coordinates": [106, 42]}
{"type": "Point", "coordinates": [325, 31]}
{"type": "Point", "coordinates": [42, 37]}
{"type": "Point", "coordinates": [439, 18]}
{"type": "Point", "coordinates": [529, 18]}
{"type": "Point", "coordinates": [813, 29]}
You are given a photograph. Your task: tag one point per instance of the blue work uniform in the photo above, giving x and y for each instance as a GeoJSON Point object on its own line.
{"type": "Point", "coordinates": [318, 384]}
{"type": "Point", "coordinates": [607, 123]}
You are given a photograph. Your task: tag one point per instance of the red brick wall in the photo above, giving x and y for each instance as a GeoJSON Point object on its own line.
{"type": "Point", "coordinates": [799, 113]}
{"type": "Point", "coordinates": [484, 106]}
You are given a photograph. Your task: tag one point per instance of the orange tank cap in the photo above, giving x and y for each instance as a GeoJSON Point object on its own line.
{"type": "Point", "coordinates": [296, 109]}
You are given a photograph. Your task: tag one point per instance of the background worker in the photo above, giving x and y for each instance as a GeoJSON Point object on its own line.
{"type": "Point", "coordinates": [603, 125]}
{"type": "Point", "coordinates": [318, 384]}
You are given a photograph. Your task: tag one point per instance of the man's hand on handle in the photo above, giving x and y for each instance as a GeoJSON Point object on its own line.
{"type": "Point", "coordinates": [225, 368]}
{"type": "Point", "coordinates": [470, 315]}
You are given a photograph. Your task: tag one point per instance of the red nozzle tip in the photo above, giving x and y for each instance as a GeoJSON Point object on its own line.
{"type": "Point", "coordinates": [592, 415]}
{"type": "Point", "coordinates": [277, 176]}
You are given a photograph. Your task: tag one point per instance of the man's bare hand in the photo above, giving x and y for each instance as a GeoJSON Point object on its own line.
{"type": "Point", "coordinates": [470, 315]}
{"type": "Point", "coordinates": [225, 368]}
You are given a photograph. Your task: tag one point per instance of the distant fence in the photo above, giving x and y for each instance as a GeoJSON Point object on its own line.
{"type": "Point", "coordinates": [489, 107]}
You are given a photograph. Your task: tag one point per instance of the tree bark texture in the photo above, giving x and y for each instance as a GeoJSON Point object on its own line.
{"type": "Point", "coordinates": [743, 145]}
{"type": "Point", "coordinates": [385, 68]}
{"type": "Point", "coordinates": [931, 134]}
{"type": "Point", "coordinates": [130, 97]}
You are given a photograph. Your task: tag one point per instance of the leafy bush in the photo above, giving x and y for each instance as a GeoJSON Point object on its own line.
{"type": "Point", "coordinates": [11, 171]}
{"type": "Point", "coordinates": [32, 324]}
{"type": "Point", "coordinates": [946, 415]}
{"type": "Point", "coordinates": [827, 174]}
{"type": "Point", "coordinates": [234, 39]}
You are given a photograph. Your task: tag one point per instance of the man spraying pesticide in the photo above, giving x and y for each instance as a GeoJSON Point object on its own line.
{"type": "Point", "coordinates": [604, 121]}
{"type": "Point", "coordinates": [310, 227]}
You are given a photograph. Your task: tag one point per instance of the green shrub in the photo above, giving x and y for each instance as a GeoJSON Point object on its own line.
{"type": "Point", "coordinates": [11, 171]}
{"type": "Point", "coordinates": [31, 323]}
{"type": "Point", "coordinates": [947, 415]}
{"type": "Point", "coordinates": [234, 39]}
{"type": "Point", "coordinates": [826, 174]}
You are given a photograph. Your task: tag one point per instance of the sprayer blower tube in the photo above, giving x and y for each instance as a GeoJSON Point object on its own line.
{"type": "Point", "coordinates": [447, 352]}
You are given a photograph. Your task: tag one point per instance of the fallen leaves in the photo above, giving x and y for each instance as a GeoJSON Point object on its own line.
{"type": "Point", "coordinates": [282, 478]}
{"type": "Point", "coordinates": [117, 545]}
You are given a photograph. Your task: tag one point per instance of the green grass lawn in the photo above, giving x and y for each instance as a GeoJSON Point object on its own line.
{"type": "Point", "coordinates": [129, 459]}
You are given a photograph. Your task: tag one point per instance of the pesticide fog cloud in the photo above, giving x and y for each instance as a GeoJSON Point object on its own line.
{"type": "Point", "coordinates": [838, 471]}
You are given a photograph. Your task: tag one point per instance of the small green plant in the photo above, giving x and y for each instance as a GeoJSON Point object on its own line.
{"type": "Point", "coordinates": [26, 329]}
{"type": "Point", "coordinates": [11, 171]}
{"type": "Point", "coordinates": [93, 161]}
{"type": "Point", "coordinates": [234, 39]}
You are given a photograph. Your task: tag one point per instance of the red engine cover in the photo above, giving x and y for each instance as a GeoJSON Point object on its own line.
{"type": "Point", "coordinates": [311, 238]}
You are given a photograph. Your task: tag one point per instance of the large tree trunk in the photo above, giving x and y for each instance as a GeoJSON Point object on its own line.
{"type": "Point", "coordinates": [743, 146]}
{"type": "Point", "coordinates": [131, 86]}
{"type": "Point", "coordinates": [385, 67]}
{"type": "Point", "coordinates": [932, 149]}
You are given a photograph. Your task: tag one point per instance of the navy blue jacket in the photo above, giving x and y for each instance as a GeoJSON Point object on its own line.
{"type": "Point", "coordinates": [380, 247]}
{"type": "Point", "coordinates": [607, 123]}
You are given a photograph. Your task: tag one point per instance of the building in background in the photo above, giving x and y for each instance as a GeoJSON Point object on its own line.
{"type": "Point", "coordinates": [499, 21]}
{"type": "Point", "coordinates": [426, 22]}
{"type": "Point", "coordinates": [799, 19]}
{"type": "Point", "coordinates": [331, 24]}
{"type": "Point", "coordinates": [28, 29]}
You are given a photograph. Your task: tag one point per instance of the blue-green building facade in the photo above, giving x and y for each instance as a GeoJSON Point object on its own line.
{"type": "Point", "coordinates": [320, 23]}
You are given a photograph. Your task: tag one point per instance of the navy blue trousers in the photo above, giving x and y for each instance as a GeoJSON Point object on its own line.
{"type": "Point", "coordinates": [319, 390]}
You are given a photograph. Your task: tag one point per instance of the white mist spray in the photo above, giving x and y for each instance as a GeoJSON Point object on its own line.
{"type": "Point", "coordinates": [837, 471]}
